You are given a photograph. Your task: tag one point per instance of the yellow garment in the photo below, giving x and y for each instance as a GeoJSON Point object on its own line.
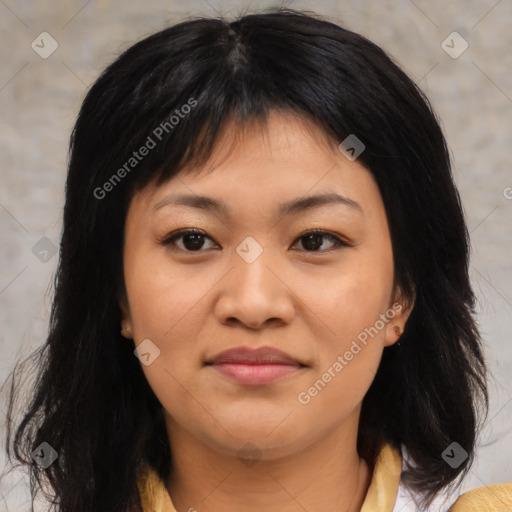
{"type": "Point", "coordinates": [380, 497]}
{"type": "Point", "coordinates": [493, 498]}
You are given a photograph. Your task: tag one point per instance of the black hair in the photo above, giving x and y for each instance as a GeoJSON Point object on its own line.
{"type": "Point", "coordinates": [91, 401]}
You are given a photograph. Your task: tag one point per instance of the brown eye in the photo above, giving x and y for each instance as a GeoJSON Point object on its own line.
{"type": "Point", "coordinates": [192, 240]}
{"type": "Point", "coordinates": [313, 240]}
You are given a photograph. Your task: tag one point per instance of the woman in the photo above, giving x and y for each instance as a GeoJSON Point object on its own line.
{"type": "Point", "coordinates": [256, 368]}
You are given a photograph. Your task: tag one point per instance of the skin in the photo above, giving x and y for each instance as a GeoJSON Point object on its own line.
{"type": "Point", "coordinates": [310, 304]}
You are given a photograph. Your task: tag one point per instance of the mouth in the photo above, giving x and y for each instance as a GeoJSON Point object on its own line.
{"type": "Point", "coordinates": [255, 367]}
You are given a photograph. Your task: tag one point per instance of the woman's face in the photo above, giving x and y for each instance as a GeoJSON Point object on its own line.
{"type": "Point", "coordinates": [254, 279]}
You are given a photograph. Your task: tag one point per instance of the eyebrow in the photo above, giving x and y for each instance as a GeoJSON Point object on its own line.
{"type": "Point", "coordinates": [291, 207]}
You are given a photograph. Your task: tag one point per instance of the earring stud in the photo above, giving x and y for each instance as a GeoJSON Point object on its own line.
{"type": "Point", "coordinates": [397, 330]}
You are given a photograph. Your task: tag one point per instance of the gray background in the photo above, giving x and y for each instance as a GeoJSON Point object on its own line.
{"type": "Point", "coordinates": [40, 98]}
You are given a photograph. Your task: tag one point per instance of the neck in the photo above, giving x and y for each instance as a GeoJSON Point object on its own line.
{"type": "Point", "coordinates": [328, 475]}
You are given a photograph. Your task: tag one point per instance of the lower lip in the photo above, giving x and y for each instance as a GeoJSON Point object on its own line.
{"type": "Point", "coordinates": [255, 374]}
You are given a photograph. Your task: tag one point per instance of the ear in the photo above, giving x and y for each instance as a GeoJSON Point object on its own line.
{"type": "Point", "coordinates": [398, 313]}
{"type": "Point", "coordinates": [126, 322]}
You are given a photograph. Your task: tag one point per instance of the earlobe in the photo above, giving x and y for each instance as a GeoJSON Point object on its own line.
{"type": "Point", "coordinates": [126, 329]}
{"type": "Point", "coordinates": [126, 324]}
{"type": "Point", "coordinates": [393, 332]}
{"type": "Point", "coordinates": [401, 309]}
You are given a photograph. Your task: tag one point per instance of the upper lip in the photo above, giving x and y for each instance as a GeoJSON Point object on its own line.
{"type": "Point", "coordinates": [260, 355]}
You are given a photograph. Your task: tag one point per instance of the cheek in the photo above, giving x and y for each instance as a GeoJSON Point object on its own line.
{"type": "Point", "coordinates": [350, 304]}
{"type": "Point", "coordinates": [165, 306]}
{"type": "Point", "coordinates": [168, 305]}
{"type": "Point", "coordinates": [354, 294]}
{"type": "Point", "coordinates": [349, 356]}
{"type": "Point", "coordinates": [162, 296]}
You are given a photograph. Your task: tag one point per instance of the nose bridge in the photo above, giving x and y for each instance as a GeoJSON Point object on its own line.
{"type": "Point", "coordinates": [251, 261]}
{"type": "Point", "coordinates": [253, 293]}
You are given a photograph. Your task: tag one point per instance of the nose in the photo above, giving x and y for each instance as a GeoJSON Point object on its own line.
{"type": "Point", "coordinates": [255, 294]}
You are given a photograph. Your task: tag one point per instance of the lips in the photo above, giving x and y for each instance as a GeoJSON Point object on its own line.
{"type": "Point", "coordinates": [262, 355]}
{"type": "Point", "coordinates": [254, 367]}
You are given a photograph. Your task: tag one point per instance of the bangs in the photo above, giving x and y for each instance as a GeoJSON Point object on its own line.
{"type": "Point", "coordinates": [230, 74]}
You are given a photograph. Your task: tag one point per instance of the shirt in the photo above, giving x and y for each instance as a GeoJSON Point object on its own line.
{"type": "Point", "coordinates": [386, 492]}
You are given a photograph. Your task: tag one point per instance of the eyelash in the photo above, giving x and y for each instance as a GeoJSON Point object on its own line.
{"type": "Point", "coordinates": [169, 239]}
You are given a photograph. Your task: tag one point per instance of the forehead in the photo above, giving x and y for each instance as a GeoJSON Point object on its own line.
{"type": "Point", "coordinates": [285, 157]}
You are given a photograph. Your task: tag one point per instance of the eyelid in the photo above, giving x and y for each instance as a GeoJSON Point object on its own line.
{"type": "Point", "coordinates": [339, 240]}
{"type": "Point", "coordinates": [168, 238]}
